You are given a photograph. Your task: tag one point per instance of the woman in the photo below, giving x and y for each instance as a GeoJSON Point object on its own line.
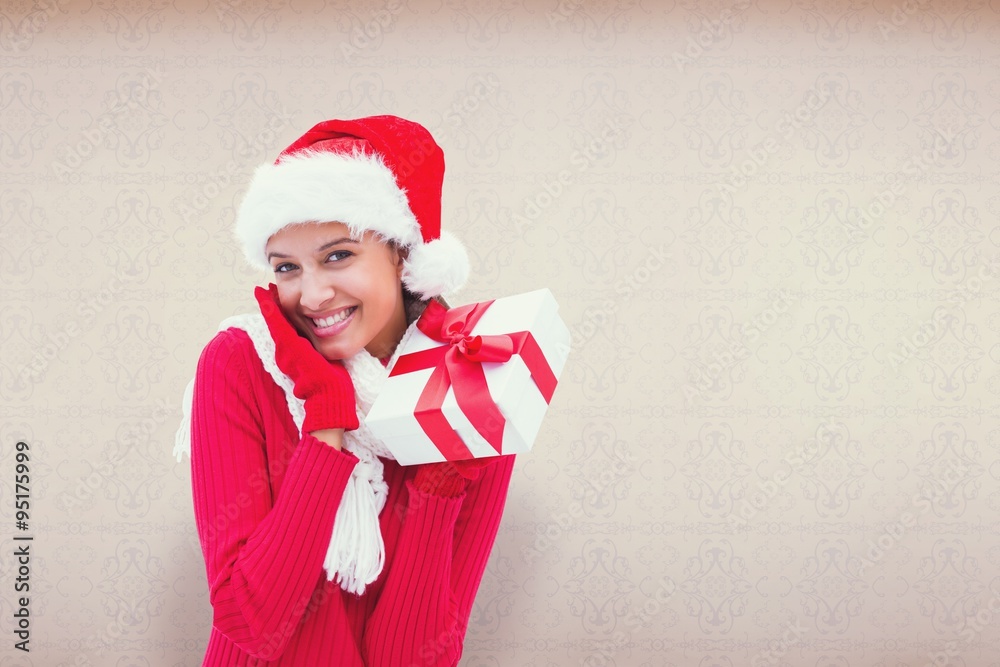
{"type": "Point", "coordinates": [320, 548]}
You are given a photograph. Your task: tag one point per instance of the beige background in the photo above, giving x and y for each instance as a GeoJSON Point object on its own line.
{"type": "Point", "coordinates": [127, 134]}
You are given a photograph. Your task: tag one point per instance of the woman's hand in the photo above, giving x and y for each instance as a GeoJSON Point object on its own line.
{"type": "Point", "coordinates": [449, 478]}
{"type": "Point", "coordinates": [325, 386]}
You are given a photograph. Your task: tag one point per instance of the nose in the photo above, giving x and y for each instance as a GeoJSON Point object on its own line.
{"type": "Point", "coordinates": [316, 292]}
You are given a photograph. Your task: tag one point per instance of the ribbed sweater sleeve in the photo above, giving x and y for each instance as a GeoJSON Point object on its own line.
{"type": "Point", "coordinates": [263, 558]}
{"type": "Point", "coordinates": [423, 610]}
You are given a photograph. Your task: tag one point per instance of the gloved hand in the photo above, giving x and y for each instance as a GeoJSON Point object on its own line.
{"type": "Point", "coordinates": [449, 478]}
{"type": "Point", "coordinates": [325, 386]}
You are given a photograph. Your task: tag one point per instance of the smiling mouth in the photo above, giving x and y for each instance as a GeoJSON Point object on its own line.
{"type": "Point", "coordinates": [327, 322]}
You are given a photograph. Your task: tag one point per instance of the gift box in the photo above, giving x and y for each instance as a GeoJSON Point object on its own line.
{"type": "Point", "coordinates": [472, 381]}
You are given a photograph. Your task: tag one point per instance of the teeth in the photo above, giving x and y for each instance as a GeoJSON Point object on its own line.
{"type": "Point", "coordinates": [333, 319]}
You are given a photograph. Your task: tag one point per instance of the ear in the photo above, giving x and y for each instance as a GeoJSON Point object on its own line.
{"type": "Point", "coordinates": [399, 257]}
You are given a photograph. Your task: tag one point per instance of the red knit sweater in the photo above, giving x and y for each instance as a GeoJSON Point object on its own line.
{"type": "Point", "coordinates": [265, 502]}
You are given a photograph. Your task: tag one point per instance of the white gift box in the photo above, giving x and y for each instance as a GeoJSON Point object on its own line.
{"type": "Point", "coordinates": [419, 396]}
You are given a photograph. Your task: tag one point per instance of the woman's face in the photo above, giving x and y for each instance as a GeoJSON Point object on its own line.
{"type": "Point", "coordinates": [343, 295]}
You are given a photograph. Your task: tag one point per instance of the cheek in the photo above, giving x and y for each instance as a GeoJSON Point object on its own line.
{"type": "Point", "coordinates": [389, 289]}
{"type": "Point", "coordinates": [376, 299]}
{"type": "Point", "coordinates": [376, 290]}
{"type": "Point", "coordinates": [289, 300]}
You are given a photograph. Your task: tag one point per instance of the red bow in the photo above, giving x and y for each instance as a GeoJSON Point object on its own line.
{"type": "Point", "coordinates": [459, 362]}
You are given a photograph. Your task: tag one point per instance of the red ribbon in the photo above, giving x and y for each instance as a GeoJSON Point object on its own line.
{"type": "Point", "coordinates": [458, 363]}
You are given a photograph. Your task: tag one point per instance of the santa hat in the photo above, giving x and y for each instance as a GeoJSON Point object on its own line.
{"type": "Point", "coordinates": [379, 173]}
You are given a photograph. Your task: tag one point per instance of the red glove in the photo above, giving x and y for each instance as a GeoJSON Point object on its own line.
{"type": "Point", "coordinates": [449, 478]}
{"type": "Point", "coordinates": [325, 386]}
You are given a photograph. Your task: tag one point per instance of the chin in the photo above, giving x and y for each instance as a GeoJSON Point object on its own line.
{"type": "Point", "coordinates": [334, 352]}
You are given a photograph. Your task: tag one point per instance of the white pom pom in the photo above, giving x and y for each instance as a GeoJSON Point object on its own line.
{"type": "Point", "coordinates": [436, 268]}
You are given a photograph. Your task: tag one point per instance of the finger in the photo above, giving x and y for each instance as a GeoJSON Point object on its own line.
{"type": "Point", "coordinates": [274, 299]}
{"type": "Point", "coordinates": [265, 299]}
{"type": "Point", "coordinates": [471, 468]}
{"type": "Point", "coordinates": [271, 307]}
{"type": "Point", "coordinates": [282, 331]}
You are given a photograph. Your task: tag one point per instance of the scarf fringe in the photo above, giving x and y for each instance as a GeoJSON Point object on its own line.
{"type": "Point", "coordinates": [357, 552]}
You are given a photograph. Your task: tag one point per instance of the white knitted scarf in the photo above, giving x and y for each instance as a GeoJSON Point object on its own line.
{"type": "Point", "coordinates": [356, 553]}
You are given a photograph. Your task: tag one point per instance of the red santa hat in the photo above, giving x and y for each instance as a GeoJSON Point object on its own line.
{"type": "Point", "coordinates": [379, 173]}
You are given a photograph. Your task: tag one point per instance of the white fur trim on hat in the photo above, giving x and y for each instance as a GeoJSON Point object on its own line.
{"type": "Point", "coordinates": [437, 267]}
{"type": "Point", "coordinates": [358, 190]}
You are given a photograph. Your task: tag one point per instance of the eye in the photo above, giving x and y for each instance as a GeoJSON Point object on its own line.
{"type": "Point", "coordinates": [346, 254]}
{"type": "Point", "coordinates": [278, 269]}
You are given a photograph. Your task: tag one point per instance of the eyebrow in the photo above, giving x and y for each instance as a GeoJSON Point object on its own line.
{"type": "Point", "coordinates": [319, 249]}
